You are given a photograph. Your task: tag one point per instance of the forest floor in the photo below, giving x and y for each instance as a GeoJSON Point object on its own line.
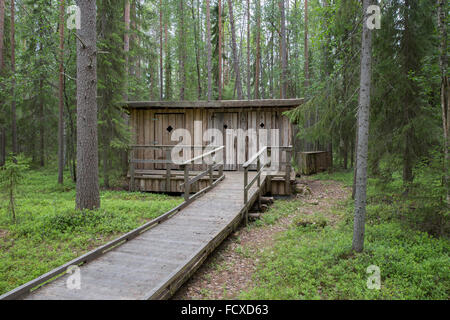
{"type": "Point", "coordinates": [50, 232]}
{"type": "Point", "coordinates": [230, 269]}
{"type": "Point", "coordinates": [301, 249]}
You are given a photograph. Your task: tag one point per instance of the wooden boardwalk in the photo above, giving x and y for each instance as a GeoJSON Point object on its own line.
{"type": "Point", "coordinates": [156, 263]}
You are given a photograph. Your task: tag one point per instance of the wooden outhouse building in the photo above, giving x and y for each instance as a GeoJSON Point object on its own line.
{"type": "Point", "coordinates": [154, 123]}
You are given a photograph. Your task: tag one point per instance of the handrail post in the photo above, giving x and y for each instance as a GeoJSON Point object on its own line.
{"type": "Point", "coordinates": [186, 183]}
{"type": "Point", "coordinates": [168, 170]}
{"type": "Point", "coordinates": [221, 170]}
{"type": "Point", "coordinates": [132, 181]}
{"type": "Point", "coordinates": [258, 168]}
{"type": "Point", "coordinates": [288, 172]}
{"type": "Point", "coordinates": [246, 194]}
{"type": "Point", "coordinates": [210, 169]}
{"type": "Point", "coordinates": [245, 185]}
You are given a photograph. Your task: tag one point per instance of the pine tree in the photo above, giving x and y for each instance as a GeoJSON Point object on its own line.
{"type": "Point", "coordinates": [88, 194]}
{"type": "Point", "coordinates": [363, 134]}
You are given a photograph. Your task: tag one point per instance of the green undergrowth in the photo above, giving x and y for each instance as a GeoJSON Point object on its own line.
{"type": "Point", "coordinates": [313, 258]}
{"type": "Point", "coordinates": [50, 232]}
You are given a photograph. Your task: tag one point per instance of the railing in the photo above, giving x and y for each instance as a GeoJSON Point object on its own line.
{"type": "Point", "coordinates": [257, 178]}
{"type": "Point", "coordinates": [211, 168]}
{"type": "Point", "coordinates": [167, 162]}
{"type": "Point", "coordinates": [287, 163]}
{"type": "Point", "coordinates": [184, 165]}
{"type": "Point", "coordinates": [259, 171]}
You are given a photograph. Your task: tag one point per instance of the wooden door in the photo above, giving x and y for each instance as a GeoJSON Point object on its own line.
{"type": "Point", "coordinates": [224, 121]}
{"type": "Point", "coordinates": [165, 125]}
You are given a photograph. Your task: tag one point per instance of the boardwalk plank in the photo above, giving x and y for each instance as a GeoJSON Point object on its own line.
{"type": "Point", "coordinates": [161, 254]}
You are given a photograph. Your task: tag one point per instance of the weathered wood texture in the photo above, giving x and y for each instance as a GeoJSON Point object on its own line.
{"type": "Point", "coordinates": [154, 127]}
{"type": "Point", "coordinates": [314, 162]}
{"type": "Point", "coordinates": [156, 263]}
{"type": "Point", "coordinates": [274, 103]}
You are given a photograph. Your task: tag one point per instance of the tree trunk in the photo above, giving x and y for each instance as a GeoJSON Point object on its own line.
{"type": "Point", "coordinates": [60, 96]}
{"type": "Point", "coordinates": [126, 45]}
{"type": "Point", "coordinates": [345, 154]}
{"type": "Point", "coordinates": [88, 195]}
{"type": "Point", "coordinates": [271, 75]}
{"type": "Point", "coordinates": [13, 84]}
{"type": "Point", "coordinates": [408, 153]}
{"type": "Point", "coordinates": [126, 49]}
{"type": "Point", "coordinates": [327, 75]}
{"type": "Point", "coordinates": [161, 83]}
{"type": "Point", "coordinates": [2, 33]}
{"type": "Point", "coordinates": [197, 54]}
{"type": "Point", "coordinates": [133, 39]}
{"type": "Point", "coordinates": [2, 146]}
{"type": "Point", "coordinates": [443, 63]}
{"type": "Point", "coordinates": [41, 123]}
{"type": "Point", "coordinates": [283, 51]}
{"type": "Point", "coordinates": [248, 51]}
{"type": "Point", "coordinates": [220, 50]}
{"type": "Point", "coordinates": [208, 48]}
{"type": "Point", "coordinates": [182, 52]}
{"type": "Point", "coordinates": [2, 129]}
{"type": "Point", "coordinates": [237, 70]}
{"type": "Point", "coordinates": [363, 134]}
{"type": "Point", "coordinates": [306, 47]}
{"type": "Point", "coordinates": [71, 137]}
{"type": "Point", "coordinates": [167, 62]}
{"type": "Point", "coordinates": [106, 164]}
{"type": "Point", "coordinates": [310, 117]}
{"type": "Point", "coordinates": [258, 47]}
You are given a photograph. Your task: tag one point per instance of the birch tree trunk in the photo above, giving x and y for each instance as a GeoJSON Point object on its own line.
{"type": "Point", "coordinates": [88, 196]}
{"type": "Point", "coordinates": [363, 134]}
{"type": "Point", "coordinates": [237, 70]}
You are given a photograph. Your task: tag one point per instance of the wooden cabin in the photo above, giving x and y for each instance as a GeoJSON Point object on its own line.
{"type": "Point", "coordinates": [153, 124]}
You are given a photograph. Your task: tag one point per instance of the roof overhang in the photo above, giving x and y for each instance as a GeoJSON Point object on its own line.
{"type": "Point", "coordinates": [216, 104]}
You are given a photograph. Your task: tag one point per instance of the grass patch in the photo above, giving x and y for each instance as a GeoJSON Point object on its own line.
{"type": "Point", "coordinates": [50, 232]}
{"type": "Point", "coordinates": [278, 210]}
{"type": "Point", "coordinates": [313, 259]}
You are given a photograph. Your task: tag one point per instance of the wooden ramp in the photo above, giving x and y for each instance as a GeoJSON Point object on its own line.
{"type": "Point", "coordinates": [157, 262]}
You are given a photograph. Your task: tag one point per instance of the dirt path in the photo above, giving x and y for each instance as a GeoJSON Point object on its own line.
{"type": "Point", "coordinates": [228, 271]}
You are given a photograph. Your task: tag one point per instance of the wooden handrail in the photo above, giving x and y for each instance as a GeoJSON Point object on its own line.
{"type": "Point", "coordinates": [259, 170]}
{"type": "Point", "coordinates": [256, 156]}
{"type": "Point", "coordinates": [188, 182]}
{"type": "Point", "coordinates": [202, 155]}
{"type": "Point", "coordinates": [211, 167]}
{"type": "Point", "coordinates": [168, 161]}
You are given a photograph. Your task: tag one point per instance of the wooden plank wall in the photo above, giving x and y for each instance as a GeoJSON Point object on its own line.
{"type": "Point", "coordinates": [143, 128]}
